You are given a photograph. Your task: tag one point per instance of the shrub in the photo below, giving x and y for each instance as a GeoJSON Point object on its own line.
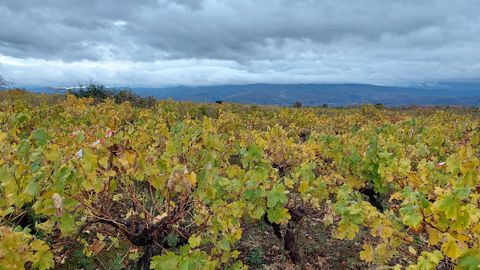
{"type": "Point", "coordinates": [100, 93]}
{"type": "Point", "coordinates": [297, 105]}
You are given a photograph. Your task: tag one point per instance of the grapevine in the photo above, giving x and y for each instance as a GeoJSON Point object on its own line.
{"type": "Point", "coordinates": [178, 183]}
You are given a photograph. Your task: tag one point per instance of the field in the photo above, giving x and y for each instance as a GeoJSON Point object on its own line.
{"type": "Point", "coordinates": [105, 185]}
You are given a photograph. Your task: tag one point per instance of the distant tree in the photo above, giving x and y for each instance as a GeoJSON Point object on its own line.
{"type": "Point", "coordinates": [297, 105]}
{"type": "Point", "coordinates": [96, 91]}
{"type": "Point", "coordinates": [379, 106]}
{"type": "Point", "coordinates": [325, 105]}
{"type": "Point", "coordinates": [100, 93]}
{"type": "Point", "coordinates": [219, 101]}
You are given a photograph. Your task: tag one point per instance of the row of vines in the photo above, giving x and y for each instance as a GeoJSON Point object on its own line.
{"type": "Point", "coordinates": [101, 176]}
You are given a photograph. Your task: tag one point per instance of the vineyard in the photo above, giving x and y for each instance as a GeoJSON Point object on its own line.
{"type": "Point", "coordinates": [105, 185]}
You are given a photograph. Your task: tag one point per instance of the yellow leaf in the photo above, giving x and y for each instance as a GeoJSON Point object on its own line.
{"type": "Point", "coordinates": [397, 267]}
{"type": "Point", "coordinates": [104, 161]}
{"type": "Point", "coordinates": [3, 135]}
{"type": "Point", "coordinates": [387, 232]}
{"type": "Point", "coordinates": [412, 250]}
{"type": "Point", "coordinates": [434, 236]}
{"type": "Point", "coordinates": [395, 196]}
{"type": "Point", "coordinates": [352, 231]}
{"type": "Point", "coordinates": [347, 231]}
{"type": "Point", "coordinates": [451, 249]}
{"type": "Point", "coordinates": [303, 186]}
{"type": "Point", "coordinates": [289, 182]}
{"type": "Point", "coordinates": [328, 220]}
{"type": "Point", "coordinates": [192, 179]}
{"type": "Point", "coordinates": [383, 251]}
{"type": "Point", "coordinates": [367, 253]}
{"type": "Point", "coordinates": [127, 158]}
{"type": "Point", "coordinates": [194, 241]}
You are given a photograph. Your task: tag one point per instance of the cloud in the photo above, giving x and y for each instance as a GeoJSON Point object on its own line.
{"type": "Point", "coordinates": [215, 41]}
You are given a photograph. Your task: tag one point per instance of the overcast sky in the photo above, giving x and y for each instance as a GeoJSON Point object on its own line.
{"type": "Point", "coordinates": [204, 42]}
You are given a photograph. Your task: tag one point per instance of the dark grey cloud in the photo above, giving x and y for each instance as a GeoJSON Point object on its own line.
{"type": "Point", "coordinates": [372, 41]}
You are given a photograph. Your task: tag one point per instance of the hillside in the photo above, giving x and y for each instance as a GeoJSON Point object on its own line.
{"type": "Point", "coordinates": [467, 94]}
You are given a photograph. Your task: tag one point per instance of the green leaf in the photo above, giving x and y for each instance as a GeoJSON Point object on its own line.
{"type": "Point", "coordinates": [453, 164]}
{"type": "Point", "coordinates": [43, 257]}
{"type": "Point", "coordinates": [277, 196]}
{"type": "Point", "coordinates": [258, 212]}
{"type": "Point", "coordinates": [412, 220]}
{"type": "Point", "coordinates": [134, 255]}
{"type": "Point", "coordinates": [278, 215]}
{"type": "Point", "coordinates": [449, 205]}
{"type": "Point", "coordinates": [167, 261]}
{"type": "Point", "coordinates": [89, 161]}
{"type": "Point", "coordinates": [40, 137]}
{"type": "Point", "coordinates": [32, 188]}
{"type": "Point", "coordinates": [470, 260]}
{"type": "Point", "coordinates": [194, 241]}
{"type": "Point", "coordinates": [67, 223]}
{"type": "Point", "coordinates": [411, 215]}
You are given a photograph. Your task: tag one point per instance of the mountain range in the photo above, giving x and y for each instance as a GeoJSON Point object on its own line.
{"type": "Point", "coordinates": [449, 93]}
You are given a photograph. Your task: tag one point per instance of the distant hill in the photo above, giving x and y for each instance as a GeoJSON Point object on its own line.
{"type": "Point", "coordinates": [467, 94]}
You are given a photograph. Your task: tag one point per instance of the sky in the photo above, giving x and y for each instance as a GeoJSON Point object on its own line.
{"type": "Point", "coordinates": [211, 42]}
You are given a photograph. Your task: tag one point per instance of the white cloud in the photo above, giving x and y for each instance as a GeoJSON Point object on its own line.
{"type": "Point", "coordinates": [152, 43]}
